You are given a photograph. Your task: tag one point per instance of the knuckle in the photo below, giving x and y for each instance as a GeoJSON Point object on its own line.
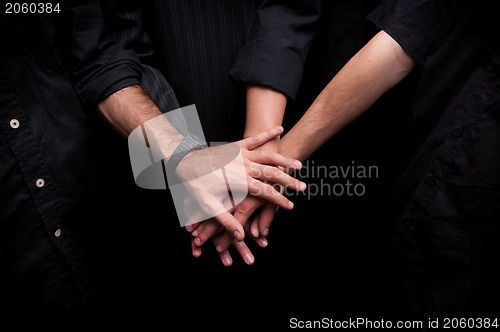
{"type": "Point", "coordinates": [224, 222]}
{"type": "Point", "coordinates": [244, 210]}
{"type": "Point", "coordinates": [268, 154]}
{"type": "Point", "coordinates": [269, 190]}
{"type": "Point", "coordinates": [252, 140]}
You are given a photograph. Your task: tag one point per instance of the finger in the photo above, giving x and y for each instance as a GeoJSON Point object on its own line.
{"type": "Point", "coordinates": [226, 220]}
{"type": "Point", "coordinates": [260, 240]}
{"type": "Point", "coordinates": [242, 212]}
{"type": "Point", "coordinates": [273, 158]}
{"type": "Point", "coordinates": [266, 218]}
{"type": "Point", "coordinates": [254, 227]}
{"type": "Point", "coordinates": [231, 225]}
{"type": "Point", "coordinates": [192, 227]}
{"type": "Point", "coordinates": [202, 234]}
{"type": "Point", "coordinates": [195, 249]}
{"type": "Point", "coordinates": [255, 141]}
{"type": "Point", "coordinates": [201, 226]}
{"type": "Point", "coordinates": [244, 252]}
{"type": "Point", "coordinates": [267, 192]}
{"type": "Point", "coordinates": [273, 174]}
{"type": "Point", "coordinates": [223, 242]}
{"type": "Point", "coordinates": [225, 257]}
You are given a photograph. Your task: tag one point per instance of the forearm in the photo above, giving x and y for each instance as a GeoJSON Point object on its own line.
{"type": "Point", "coordinates": [375, 69]}
{"type": "Point", "coordinates": [265, 110]}
{"type": "Point", "coordinates": [130, 108]}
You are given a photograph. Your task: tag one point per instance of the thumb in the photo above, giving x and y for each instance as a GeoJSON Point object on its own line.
{"type": "Point", "coordinates": [231, 225]}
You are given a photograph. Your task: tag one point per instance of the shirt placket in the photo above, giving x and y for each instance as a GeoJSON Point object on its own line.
{"type": "Point", "coordinates": [462, 120]}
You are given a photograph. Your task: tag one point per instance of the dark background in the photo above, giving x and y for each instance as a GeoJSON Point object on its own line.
{"type": "Point", "coordinates": [328, 257]}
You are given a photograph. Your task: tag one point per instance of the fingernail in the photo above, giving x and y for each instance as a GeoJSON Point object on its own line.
{"type": "Point", "coordinates": [195, 232]}
{"type": "Point", "coordinates": [237, 236]}
{"type": "Point", "coordinates": [227, 261]}
{"type": "Point", "coordinates": [249, 258]}
{"type": "Point", "coordinates": [197, 241]}
{"type": "Point", "coordinates": [290, 204]}
{"type": "Point", "coordinates": [263, 243]}
{"type": "Point", "coordinates": [255, 233]}
{"type": "Point", "coordinates": [302, 186]}
{"type": "Point", "coordinates": [218, 248]}
{"type": "Point", "coordinates": [196, 253]}
{"type": "Point", "coordinates": [297, 164]}
{"type": "Point", "coordinates": [278, 129]}
{"type": "Point", "coordinates": [265, 231]}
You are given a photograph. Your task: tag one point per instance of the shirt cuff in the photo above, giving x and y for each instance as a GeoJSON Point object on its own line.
{"type": "Point", "coordinates": [264, 63]}
{"type": "Point", "coordinates": [108, 80]}
{"type": "Point", "coordinates": [402, 34]}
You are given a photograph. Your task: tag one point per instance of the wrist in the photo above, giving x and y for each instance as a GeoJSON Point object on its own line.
{"type": "Point", "coordinates": [272, 145]}
{"type": "Point", "coordinates": [188, 144]}
{"type": "Point", "coordinates": [291, 149]}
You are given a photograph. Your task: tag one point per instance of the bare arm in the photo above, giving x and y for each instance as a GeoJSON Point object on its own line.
{"type": "Point", "coordinates": [265, 110]}
{"type": "Point", "coordinates": [130, 108]}
{"type": "Point", "coordinates": [376, 68]}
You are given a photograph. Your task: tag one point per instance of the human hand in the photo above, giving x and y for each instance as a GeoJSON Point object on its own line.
{"type": "Point", "coordinates": [211, 229]}
{"type": "Point", "coordinates": [259, 227]}
{"type": "Point", "coordinates": [203, 182]}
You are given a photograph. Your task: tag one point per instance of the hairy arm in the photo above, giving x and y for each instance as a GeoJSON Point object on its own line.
{"type": "Point", "coordinates": [130, 108]}
{"type": "Point", "coordinates": [376, 68]}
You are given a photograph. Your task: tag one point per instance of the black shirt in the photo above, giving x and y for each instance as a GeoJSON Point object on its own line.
{"type": "Point", "coordinates": [449, 194]}
{"type": "Point", "coordinates": [195, 44]}
{"type": "Point", "coordinates": [281, 34]}
{"type": "Point", "coordinates": [277, 43]}
{"type": "Point", "coordinates": [49, 63]}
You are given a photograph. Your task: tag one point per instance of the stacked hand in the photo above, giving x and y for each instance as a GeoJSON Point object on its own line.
{"type": "Point", "coordinates": [264, 171]}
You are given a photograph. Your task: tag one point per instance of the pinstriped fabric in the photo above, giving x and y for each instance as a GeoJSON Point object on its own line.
{"type": "Point", "coordinates": [125, 23]}
{"type": "Point", "coordinates": [196, 43]}
{"type": "Point", "coordinates": [157, 87]}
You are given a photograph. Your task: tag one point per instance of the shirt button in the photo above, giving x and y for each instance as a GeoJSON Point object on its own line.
{"type": "Point", "coordinates": [14, 123]}
{"type": "Point", "coordinates": [40, 183]}
{"type": "Point", "coordinates": [57, 233]}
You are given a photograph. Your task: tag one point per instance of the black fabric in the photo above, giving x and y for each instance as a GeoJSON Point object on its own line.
{"type": "Point", "coordinates": [125, 22]}
{"type": "Point", "coordinates": [194, 45]}
{"type": "Point", "coordinates": [44, 135]}
{"type": "Point", "coordinates": [281, 33]}
{"type": "Point", "coordinates": [277, 44]}
{"type": "Point", "coordinates": [449, 195]}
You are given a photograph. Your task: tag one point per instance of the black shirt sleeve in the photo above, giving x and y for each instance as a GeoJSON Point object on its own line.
{"type": "Point", "coordinates": [414, 24]}
{"type": "Point", "coordinates": [277, 45]}
{"type": "Point", "coordinates": [97, 65]}
{"type": "Point", "coordinates": [125, 22]}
